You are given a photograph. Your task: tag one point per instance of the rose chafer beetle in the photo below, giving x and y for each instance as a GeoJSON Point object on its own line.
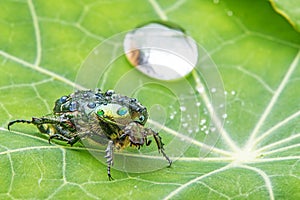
{"type": "Point", "coordinates": [85, 113]}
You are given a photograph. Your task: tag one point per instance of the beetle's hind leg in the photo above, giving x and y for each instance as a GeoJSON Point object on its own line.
{"type": "Point", "coordinates": [18, 121]}
{"type": "Point", "coordinates": [35, 121]}
{"type": "Point", "coordinates": [56, 128]}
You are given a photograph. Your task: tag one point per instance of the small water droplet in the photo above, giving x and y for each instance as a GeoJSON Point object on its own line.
{"type": "Point", "coordinates": [182, 108]}
{"type": "Point", "coordinates": [233, 92]}
{"type": "Point", "coordinates": [200, 89]}
{"type": "Point", "coordinates": [161, 51]}
{"type": "Point", "coordinates": [63, 99]}
{"type": "Point", "coordinates": [73, 106]}
{"type": "Point", "coordinates": [213, 90]}
{"type": "Point", "coordinates": [224, 116]}
{"type": "Point", "coordinates": [198, 104]}
{"type": "Point", "coordinates": [203, 121]}
{"type": "Point", "coordinates": [91, 105]}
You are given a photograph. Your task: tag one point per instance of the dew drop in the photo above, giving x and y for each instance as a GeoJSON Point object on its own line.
{"type": "Point", "coordinates": [203, 121]}
{"type": "Point", "coordinates": [73, 106]}
{"type": "Point", "coordinates": [91, 105]}
{"type": "Point", "coordinates": [182, 108]}
{"type": "Point", "coordinates": [224, 116]}
{"type": "Point", "coordinates": [63, 99]}
{"type": "Point", "coordinates": [109, 92]}
{"type": "Point", "coordinates": [213, 90]}
{"type": "Point", "coordinates": [233, 92]}
{"type": "Point", "coordinates": [200, 89]}
{"type": "Point", "coordinates": [161, 50]}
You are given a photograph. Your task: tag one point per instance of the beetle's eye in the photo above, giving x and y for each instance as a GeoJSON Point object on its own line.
{"type": "Point", "coordinates": [100, 113]}
{"type": "Point", "coordinates": [122, 111]}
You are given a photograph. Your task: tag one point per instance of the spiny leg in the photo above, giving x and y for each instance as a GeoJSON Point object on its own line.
{"type": "Point", "coordinates": [54, 127]}
{"type": "Point", "coordinates": [159, 144]}
{"type": "Point", "coordinates": [35, 121]}
{"type": "Point", "coordinates": [18, 121]}
{"type": "Point", "coordinates": [109, 155]}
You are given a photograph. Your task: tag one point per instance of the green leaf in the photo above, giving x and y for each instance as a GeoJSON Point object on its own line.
{"type": "Point", "coordinates": [257, 156]}
{"type": "Point", "coordinates": [289, 10]}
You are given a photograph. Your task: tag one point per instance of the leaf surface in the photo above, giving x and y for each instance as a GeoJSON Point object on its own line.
{"type": "Point", "coordinates": [257, 156]}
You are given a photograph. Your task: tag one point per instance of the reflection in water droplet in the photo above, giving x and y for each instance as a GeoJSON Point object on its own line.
{"type": "Point", "coordinates": [160, 51]}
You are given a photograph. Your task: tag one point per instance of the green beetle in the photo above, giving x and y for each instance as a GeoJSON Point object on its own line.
{"type": "Point", "coordinates": [116, 118]}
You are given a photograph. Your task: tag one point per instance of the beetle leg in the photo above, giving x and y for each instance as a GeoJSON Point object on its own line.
{"type": "Point", "coordinates": [109, 155]}
{"type": "Point", "coordinates": [148, 142]}
{"type": "Point", "coordinates": [159, 143]}
{"type": "Point", "coordinates": [58, 136]}
{"type": "Point", "coordinates": [18, 121]}
{"type": "Point", "coordinates": [35, 121]}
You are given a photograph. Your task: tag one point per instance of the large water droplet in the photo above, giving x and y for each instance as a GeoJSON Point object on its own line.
{"type": "Point", "coordinates": [161, 51]}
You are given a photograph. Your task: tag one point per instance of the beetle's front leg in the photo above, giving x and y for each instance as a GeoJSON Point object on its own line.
{"type": "Point", "coordinates": [159, 143]}
{"type": "Point", "coordinates": [138, 136]}
{"type": "Point", "coordinates": [109, 155]}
